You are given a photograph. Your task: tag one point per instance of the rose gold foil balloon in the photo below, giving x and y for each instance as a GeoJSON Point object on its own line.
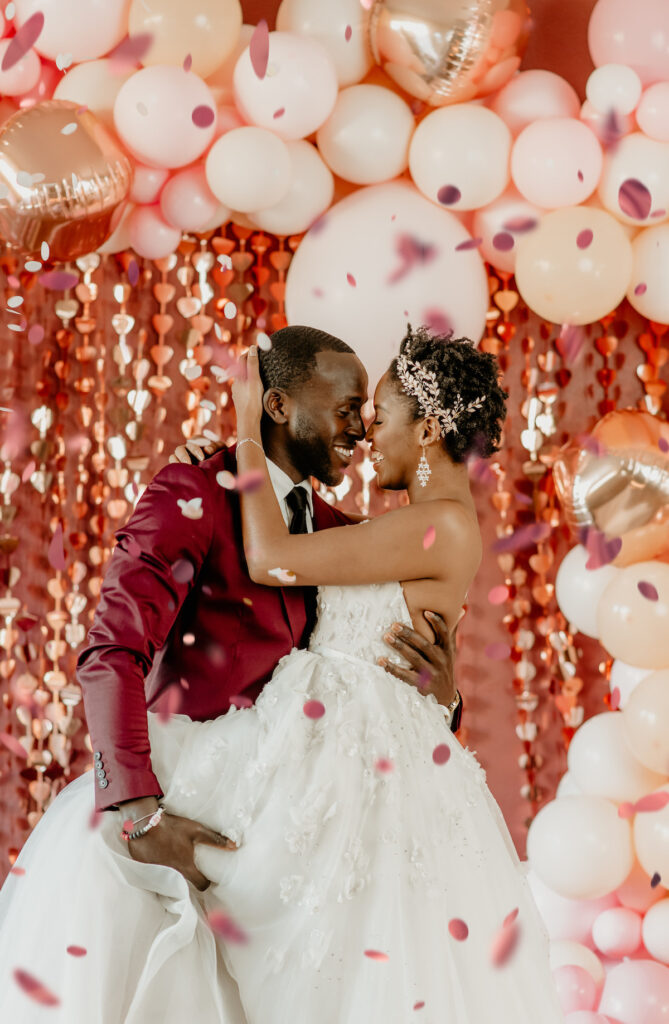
{"type": "Point", "coordinates": [449, 51]}
{"type": "Point", "coordinates": [619, 483]}
{"type": "Point", "coordinates": [62, 178]}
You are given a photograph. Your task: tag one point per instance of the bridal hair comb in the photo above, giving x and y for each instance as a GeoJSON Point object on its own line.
{"type": "Point", "coordinates": [422, 385]}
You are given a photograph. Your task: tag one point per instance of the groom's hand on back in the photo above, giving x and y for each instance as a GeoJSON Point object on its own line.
{"type": "Point", "coordinates": [431, 666]}
{"type": "Point", "coordinates": [192, 452]}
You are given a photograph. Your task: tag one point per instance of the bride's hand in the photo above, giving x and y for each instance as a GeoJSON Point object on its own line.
{"type": "Point", "coordinates": [247, 392]}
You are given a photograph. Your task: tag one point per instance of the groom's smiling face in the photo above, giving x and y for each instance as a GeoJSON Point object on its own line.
{"type": "Point", "coordinates": [324, 417]}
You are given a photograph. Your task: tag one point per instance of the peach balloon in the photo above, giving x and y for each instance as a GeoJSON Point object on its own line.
{"type": "Point", "coordinates": [340, 27]}
{"type": "Point", "coordinates": [532, 96]}
{"type": "Point", "coordinates": [205, 30]}
{"type": "Point", "coordinates": [636, 35]}
{"type": "Point", "coordinates": [147, 183]}
{"type": "Point", "coordinates": [625, 678]}
{"type": "Point", "coordinates": [633, 615]}
{"type": "Point", "coordinates": [44, 87]}
{"type": "Point", "coordinates": [617, 932]}
{"type": "Point", "coordinates": [646, 722]}
{"type": "Point", "coordinates": [220, 80]}
{"type": "Point", "coordinates": [309, 195]}
{"type": "Point", "coordinates": [655, 931]}
{"type": "Point", "coordinates": [578, 590]}
{"type": "Point", "coordinates": [86, 29]}
{"type": "Point", "coordinates": [580, 847]}
{"type": "Point", "coordinates": [459, 156]}
{"type": "Point", "coordinates": [651, 839]}
{"type": "Point", "coordinates": [635, 180]}
{"type": "Point", "coordinates": [636, 891]}
{"type": "Point", "coordinates": [556, 162]}
{"type": "Point", "coordinates": [652, 114]}
{"type": "Point", "coordinates": [95, 83]}
{"type": "Point", "coordinates": [567, 919]}
{"type": "Point", "coordinates": [648, 291]}
{"type": "Point", "coordinates": [602, 764]}
{"type": "Point", "coordinates": [156, 115]}
{"type": "Point", "coordinates": [119, 240]}
{"type": "Point", "coordinates": [298, 92]}
{"type": "Point", "coordinates": [566, 951]}
{"type": "Point", "coordinates": [249, 169]}
{"type": "Point", "coordinates": [22, 76]}
{"type": "Point", "coordinates": [187, 202]}
{"type": "Point", "coordinates": [150, 235]}
{"type": "Point", "coordinates": [565, 283]}
{"type": "Point", "coordinates": [227, 118]}
{"type": "Point", "coordinates": [366, 137]}
{"type": "Point", "coordinates": [500, 224]}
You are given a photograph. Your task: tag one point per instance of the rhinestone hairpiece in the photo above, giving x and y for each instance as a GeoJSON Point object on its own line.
{"type": "Point", "coordinates": [422, 385]}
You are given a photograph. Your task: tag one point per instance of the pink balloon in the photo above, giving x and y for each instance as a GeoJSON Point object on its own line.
{"type": "Point", "coordinates": [556, 162]}
{"type": "Point", "coordinates": [637, 992]}
{"type": "Point", "coordinates": [147, 183]}
{"type": "Point", "coordinates": [586, 1017]}
{"type": "Point", "coordinates": [566, 918]}
{"type": "Point", "coordinates": [533, 95]}
{"type": "Point", "coordinates": [21, 76]}
{"type": "Point", "coordinates": [652, 114]}
{"type": "Point", "coordinates": [165, 116]}
{"type": "Point", "coordinates": [150, 235]}
{"type": "Point", "coordinates": [188, 203]}
{"type": "Point", "coordinates": [576, 988]}
{"type": "Point", "coordinates": [636, 34]}
{"type": "Point", "coordinates": [501, 224]}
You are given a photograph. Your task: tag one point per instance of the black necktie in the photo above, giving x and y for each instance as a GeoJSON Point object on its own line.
{"type": "Point", "coordinates": [298, 503]}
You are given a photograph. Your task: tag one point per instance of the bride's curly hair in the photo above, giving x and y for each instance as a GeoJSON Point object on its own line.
{"type": "Point", "coordinates": [460, 369]}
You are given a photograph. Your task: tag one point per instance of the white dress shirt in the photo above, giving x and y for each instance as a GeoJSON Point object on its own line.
{"type": "Point", "coordinates": [283, 485]}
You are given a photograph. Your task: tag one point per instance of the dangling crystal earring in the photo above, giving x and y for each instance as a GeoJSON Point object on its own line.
{"type": "Point", "coordinates": [423, 472]}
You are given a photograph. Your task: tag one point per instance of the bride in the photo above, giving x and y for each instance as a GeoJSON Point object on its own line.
{"type": "Point", "coordinates": [375, 877]}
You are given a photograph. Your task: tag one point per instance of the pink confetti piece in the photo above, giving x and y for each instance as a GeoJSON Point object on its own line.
{"type": "Point", "coordinates": [441, 753]}
{"type": "Point", "coordinates": [498, 594]}
{"type": "Point", "coordinates": [411, 252]}
{"type": "Point", "coordinates": [169, 703]}
{"type": "Point", "coordinates": [279, 113]}
{"type": "Point", "coordinates": [570, 342]}
{"type": "Point", "coordinates": [524, 537]}
{"type": "Point", "coordinates": [641, 289]}
{"type": "Point", "coordinates": [348, 32]}
{"type": "Point", "coordinates": [95, 819]}
{"type": "Point", "coordinates": [469, 243]}
{"type": "Point", "coordinates": [314, 709]}
{"type": "Point", "coordinates": [129, 52]}
{"type": "Point", "coordinates": [663, 444]}
{"type": "Point", "coordinates": [510, 918]}
{"type": "Point", "coordinates": [35, 334]}
{"type": "Point", "coordinates": [58, 280]}
{"type": "Point", "coordinates": [437, 322]}
{"type": "Point", "coordinates": [647, 590]}
{"type": "Point", "coordinates": [34, 988]}
{"type": "Point", "coordinates": [376, 954]}
{"type": "Point", "coordinates": [651, 802]}
{"type": "Point", "coordinates": [17, 871]}
{"type": "Point", "coordinates": [579, 175]}
{"type": "Point", "coordinates": [133, 272]}
{"type": "Point", "coordinates": [634, 199]}
{"type": "Point", "coordinates": [203, 116]}
{"type": "Point", "coordinates": [429, 538]}
{"type": "Point", "coordinates": [655, 880]}
{"type": "Point", "coordinates": [224, 926]}
{"type": "Point", "coordinates": [351, 280]}
{"type": "Point", "coordinates": [240, 701]}
{"type": "Point", "coordinates": [77, 950]}
{"type": "Point", "coordinates": [13, 744]}
{"type": "Point", "coordinates": [56, 552]}
{"type": "Point", "coordinates": [520, 225]}
{"type": "Point", "coordinates": [658, 213]}
{"type": "Point", "coordinates": [458, 929]}
{"type": "Point", "coordinates": [497, 651]}
{"type": "Point", "coordinates": [128, 824]}
{"type": "Point", "coordinates": [584, 238]}
{"type": "Point", "coordinates": [188, 639]}
{"type": "Point", "coordinates": [614, 703]}
{"type": "Point", "coordinates": [13, 281]}
{"type": "Point", "coordinates": [259, 49]}
{"type": "Point", "coordinates": [183, 570]}
{"type": "Point", "coordinates": [449, 194]}
{"type": "Point", "coordinates": [504, 943]}
{"type": "Point", "coordinates": [24, 40]}
{"type": "Point", "coordinates": [384, 765]}
{"type": "Point", "coordinates": [503, 241]}
{"type": "Point", "coordinates": [419, 1005]}
{"type": "Point", "coordinates": [600, 550]}
{"type": "Point", "coordinates": [188, 62]}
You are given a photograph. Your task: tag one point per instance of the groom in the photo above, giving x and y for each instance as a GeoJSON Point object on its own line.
{"type": "Point", "coordinates": [181, 627]}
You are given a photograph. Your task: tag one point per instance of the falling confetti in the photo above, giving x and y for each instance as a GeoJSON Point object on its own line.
{"type": "Point", "coordinates": [56, 552]}
{"type": "Point", "coordinates": [504, 943]}
{"type": "Point", "coordinates": [376, 954]}
{"type": "Point", "coordinates": [469, 243]}
{"type": "Point", "coordinates": [384, 765]}
{"type": "Point", "coordinates": [13, 744]}
{"type": "Point", "coordinates": [129, 52]}
{"type": "Point", "coordinates": [663, 444]}
{"type": "Point", "coordinates": [647, 590]}
{"type": "Point", "coordinates": [34, 988]}
{"type": "Point", "coordinates": [498, 594]}
{"type": "Point", "coordinates": [69, 128]}
{"type": "Point", "coordinates": [133, 272]}
{"type": "Point", "coordinates": [58, 280]}
{"type": "Point", "coordinates": [615, 698]}
{"type": "Point", "coordinates": [429, 538]}
{"type": "Point", "coordinates": [655, 880]}
{"type": "Point", "coordinates": [168, 703]}
{"type": "Point", "coordinates": [282, 575]}
{"type": "Point", "coordinates": [458, 929]}
{"type": "Point", "coordinates": [225, 927]}
{"type": "Point", "coordinates": [520, 225]}
{"type": "Point", "coordinates": [348, 32]}
{"type": "Point", "coordinates": [584, 238]}
{"type": "Point", "coordinates": [497, 651]}
{"type": "Point", "coordinates": [412, 252]}
{"type": "Point", "coordinates": [203, 116]}
{"type": "Point", "coordinates": [600, 550]}
{"type": "Point", "coordinates": [449, 194]}
{"type": "Point", "coordinates": [77, 950]}
{"type": "Point", "coordinates": [524, 537]}
{"type": "Point", "coordinates": [579, 175]}
{"type": "Point", "coordinates": [641, 289]}
{"type": "Point", "coordinates": [183, 570]}
{"type": "Point", "coordinates": [314, 709]}
{"type": "Point", "coordinates": [17, 871]}
{"type": "Point", "coordinates": [279, 113]}
{"type": "Point", "coordinates": [95, 818]}
{"type": "Point", "coordinates": [25, 38]}
{"type": "Point", "coordinates": [419, 1005]}
{"type": "Point", "coordinates": [634, 199]}
{"type": "Point", "coordinates": [188, 62]}
{"type": "Point", "coordinates": [441, 753]}
{"type": "Point", "coordinates": [191, 509]}
{"type": "Point", "coordinates": [651, 802]}
{"type": "Point", "coordinates": [259, 49]}
{"type": "Point", "coordinates": [503, 241]}
{"type": "Point", "coordinates": [351, 280]}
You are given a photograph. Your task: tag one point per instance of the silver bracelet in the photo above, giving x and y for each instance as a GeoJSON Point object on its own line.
{"type": "Point", "coordinates": [250, 440]}
{"type": "Point", "coordinates": [449, 710]}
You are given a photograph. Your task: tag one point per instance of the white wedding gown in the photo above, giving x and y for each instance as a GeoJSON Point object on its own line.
{"type": "Point", "coordinates": [339, 856]}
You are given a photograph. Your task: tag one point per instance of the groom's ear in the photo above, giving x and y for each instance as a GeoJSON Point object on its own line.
{"type": "Point", "coordinates": [274, 403]}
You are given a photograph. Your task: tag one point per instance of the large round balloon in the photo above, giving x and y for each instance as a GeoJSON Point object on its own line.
{"type": "Point", "coordinates": [575, 267]}
{"type": "Point", "coordinates": [448, 51]}
{"type": "Point", "coordinates": [634, 34]}
{"type": "Point", "coordinates": [646, 722]}
{"type": "Point", "coordinates": [634, 185]}
{"type": "Point", "coordinates": [534, 95]}
{"type": "Point", "coordinates": [499, 226]}
{"type": "Point", "coordinates": [381, 257]}
{"type": "Point", "coordinates": [602, 763]}
{"type": "Point", "coordinates": [578, 589]}
{"type": "Point", "coordinates": [651, 838]}
{"type": "Point", "coordinates": [341, 27]}
{"type": "Point", "coordinates": [64, 177]}
{"type": "Point", "coordinates": [648, 291]}
{"type": "Point", "coordinates": [309, 193]}
{"type": "Point", "coordinates": [95, 84]}
{"type": "Point", "coordinates": [205, 30]}
{"type": "Point", "coordinates": [84, 29]}
{"type": "Point", "coordinates": [636, 992]}
{"type": "Point", "coordinates": [633, 615]}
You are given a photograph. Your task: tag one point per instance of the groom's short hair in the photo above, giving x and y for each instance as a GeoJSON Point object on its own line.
{"type": "Point", "coordinates": [291, 360]}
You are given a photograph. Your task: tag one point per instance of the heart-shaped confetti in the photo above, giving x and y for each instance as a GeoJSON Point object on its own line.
{"type": "Point", "coordinates": [314, 709]}
{"type": "Point", "coordinates": [449, 194]}
{"type": "Point", "coordinates": [584, 238]}
{"type": "Point", "coordinates": [34, 988]}
{"type": "Point", "coordinates": [634, 199]}
{"type": "Point", "coordinates": [647, 590]}
{"type": "Point", "coordinates": [441, 753]}
{"type": "Point", "coordinates": [25, 38]}
{"type": "Point", "coordinates": [429, 537]}
{"type": "Point", "coordinates": [259, 48]}
{"type": "Point", "coordinates": [458, 929]}
{"type": "Point", "coordinates": [376, 954]}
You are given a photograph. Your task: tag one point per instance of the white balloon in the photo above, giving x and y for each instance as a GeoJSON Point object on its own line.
{"type": "Point", "coordinates": [567, 786]}
{"type": "Point", "coordinates": [95, 84]}
{"type": "Point", "coordinates": [85, 29]}
{"type": "Point", "coordinates": [566, 952]}
{"type": "Point", "coordinates": [617, 932]}
{"type": "Point", "coordinates": [579, 847]}
{"type": "Point", "coordinates": [652, 114]}
{"type": "Point", "coordinates": [119, 240]}
{"type": "Point", "coordinates": [626, 678]}
{"type": "Point", "coordinates": [505, 220]}
{"type": "Point", "coordinates": [602, 763]}
{"type": "Point", "coordinates": [577, 589]}
{"type": "Point", "coordinates": [651, 839]}
{"type": "Point", "coordinates": [637, 159]}
{"type": "Point", "coordinates": [614, 87]}
{"type": "Point", "coordinates": [655, 931]}
{"type": "Point", "coordinates": [309, 194]}
{"type": "Point", "coordinates": [341, 27]}
{"type": "Point", "coordinates": [463, 148]}
{"type": "Point", "coordinates": [248, 169]}
{"type": "Point", "coordinates": [379, 258]}
{"type": "Point", "coordinates": [646, 723]}
{"type": "Point", "coordinates": [648, 291]}
{"type": "Point", "coordinates": [633, 619]}
{"type": "Point", "coordinates": [366, 137]}
{"type": "Point", "coordinates": [567, 919]}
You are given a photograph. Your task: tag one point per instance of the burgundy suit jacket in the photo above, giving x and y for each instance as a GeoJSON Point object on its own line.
{"type": "Point", "coordinates": [178, 610]}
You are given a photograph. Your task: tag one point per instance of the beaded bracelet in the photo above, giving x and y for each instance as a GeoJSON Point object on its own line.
{"type": "Point", "coordinates": [153, 820]}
